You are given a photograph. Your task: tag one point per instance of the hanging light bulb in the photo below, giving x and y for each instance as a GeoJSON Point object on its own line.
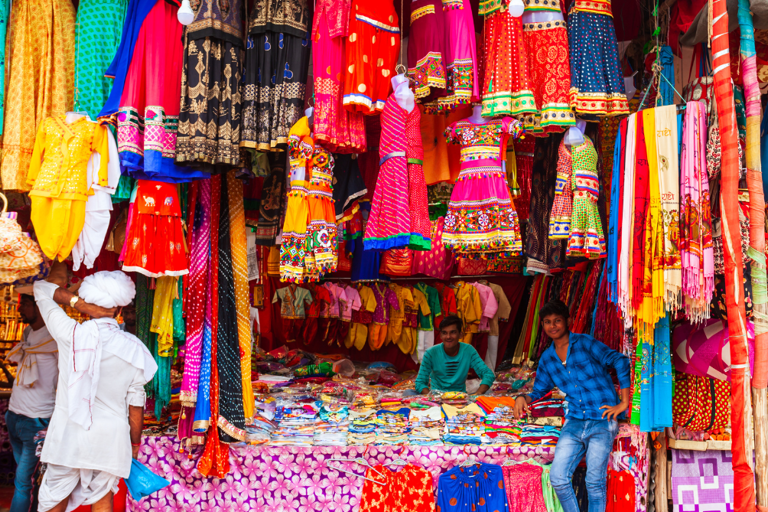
{"type": "Point", "coordinates": [516, 8]}
{"type": "Point", "coordinates": [185, 13]}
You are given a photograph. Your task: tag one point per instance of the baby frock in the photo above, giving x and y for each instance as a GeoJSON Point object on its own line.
{"type": "Point", "coordinates": [481, 220]}
{"type": "Point", "coordinates": [562, 207]}
{"type": "Point", "coordinates": [586, 239]}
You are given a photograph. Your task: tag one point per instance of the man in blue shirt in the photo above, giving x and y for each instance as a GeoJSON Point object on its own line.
{"type": "Point", "coordinates": [578, 365]}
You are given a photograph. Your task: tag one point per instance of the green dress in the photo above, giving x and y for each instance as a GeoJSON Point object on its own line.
{"type": "Point", "coordinates": [586, 238]}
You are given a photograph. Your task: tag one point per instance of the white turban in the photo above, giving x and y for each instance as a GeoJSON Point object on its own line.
{"type": "Point", "coordinates": [108, 289]}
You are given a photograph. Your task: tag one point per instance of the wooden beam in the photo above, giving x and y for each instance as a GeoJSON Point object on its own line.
{"type": "Point", "coordinates": [662, 492]}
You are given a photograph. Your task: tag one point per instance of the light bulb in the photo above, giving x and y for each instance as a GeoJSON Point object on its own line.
{"type": "Point", "coordinates": [185, 14]}
{"type": "Point", "coordinates": [516, 8]}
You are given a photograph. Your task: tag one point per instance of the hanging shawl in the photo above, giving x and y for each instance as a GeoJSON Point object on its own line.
{"type": "Point", "coordinates": [240, 271]}
{"type": "Point", "coordinates": [662, 376]}
{"type": "Point", "coordinates": [197, 294]}
{"type": "Point", "coordinates": [640, 212]}
{"type": "Point", "coordinates": [614, 228]}
{"type": "Point", "coordinates": [202, 418]}
{"type": "Point", "coordinates": [669, 189]}
{"type": "Point", "coordinates": [653, 295]}
{"type": "Point", "coordinates": [231, 420]}
{"type": "Point", "coordinates": [627, 222]}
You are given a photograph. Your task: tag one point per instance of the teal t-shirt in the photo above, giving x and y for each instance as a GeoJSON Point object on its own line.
{"type": "Point", "coordinates": [450, 373]}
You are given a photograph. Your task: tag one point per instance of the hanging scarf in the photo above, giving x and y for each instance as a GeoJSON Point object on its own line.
{"type": "Point", "coordinates": [669, 189]}
{"type": "Point", "coordinates": [653, 285]}
{"type": "Point", "coordinates": [640, 212]}
{"type": "Point", "coordinates": [662, 376]}
{"type": "Point", "coordinates": [202, 419]}
{"type": "Point", "coordinates": [240, 271]}
{"type": "Point", "coordinates": [614, 228]}
{"type": "Point", "coordinates": [197, 294]}
{"type": "Point", "coordinates": [627, 221]}
{"type": "Point", "coordinates": [215, 458]}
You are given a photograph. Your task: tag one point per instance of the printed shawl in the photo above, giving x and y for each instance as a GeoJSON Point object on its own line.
{"type": "Point", "coordinates": [627, 221]}
{"type": "Point", "coordinates": [653, 271]}
{"type": "Point", "coordinates": [640, 212]}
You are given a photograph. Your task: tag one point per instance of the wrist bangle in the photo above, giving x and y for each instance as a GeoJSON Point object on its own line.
{"type": "Point", "coordinates": [136, 444]}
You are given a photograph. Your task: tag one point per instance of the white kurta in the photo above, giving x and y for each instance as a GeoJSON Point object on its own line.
{"type": "Point", "coordinates": [125, 366]}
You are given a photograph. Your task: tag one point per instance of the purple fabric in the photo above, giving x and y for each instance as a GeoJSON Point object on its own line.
{"type": "Point", "coordinates": [297, 479]}
{"type": "Point", "coordinates": [704, 350]}
{"type": "Point", "coordinates": [702, 481]}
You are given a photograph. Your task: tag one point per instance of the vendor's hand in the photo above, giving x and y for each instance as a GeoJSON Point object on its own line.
{"type": "Point", "coordinates": [612, 413]}
{"type": "Point", "coordinates": [425, 391]}
{"type": "Point", "coordinates": [521, 407]}
{"type": "Point", "coordinates": [135, 451]}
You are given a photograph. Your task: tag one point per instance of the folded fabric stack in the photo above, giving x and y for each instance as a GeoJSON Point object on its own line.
{"type": "Point", "coordinates": [547, 407]}
{"type": "Point", "coordinates": [540, 435]}
{"type": "Point", "coordinates": [296, 424]}
{"type": "Point", "coordinates": [392, 427]}
{"type": "Point", "coordinates": [332, 426]}
{"type": "Point", "coordinates": [464, 426]}
{"type": "Point", "coordinates": [363, 400]}
{"type": "Point", "coordinates": [362, 427]}
{"type": "Point", "coordinates": [501, 427]}
{"type": "Point", "coordinates": [454, 398]}
{"type": "Point", "coordinates": [427, 426]}
{"type": "Point", "coordinates": [390, 402]}
{"type": "Point", "coordinates": [260, 430]}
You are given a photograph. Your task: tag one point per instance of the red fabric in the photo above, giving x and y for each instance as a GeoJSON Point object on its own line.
{"type": "Point", "coordinates": [621, 491]}
{"type": "Point", "coordinates": [680, 19]}
{"type": "Point", "coordinates": [642, 202]}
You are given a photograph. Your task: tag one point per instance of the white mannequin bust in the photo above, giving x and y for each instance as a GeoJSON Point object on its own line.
{"type": "Point", "coordinates": [403, 94]}
{"type": "Point", "coordinates": [308, 112]}
{"type": "Point", "coordinates": [575, 134]}
{"type": "Point", "coordinates": [542, 16]}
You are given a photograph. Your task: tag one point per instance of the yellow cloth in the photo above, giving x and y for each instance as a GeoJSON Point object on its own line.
{"type": "Point", "coordinates": [240, 272]}
{"type": "Point", "coordinates": [421, 302]}
{"type": "Point", "coordinates": [469, 308]}
{"type": "Point", "coordinates": [293, 255]}
{"type": "Point", "coordinates": [162, 314]}
{"type": "Point", "coordinates": [39, 80]}
{"type": "Point", "coordinates": [357, 336]}
{"type": "Point", "coordinates": [397, 316]}
{"type": "Point", "coordinates": [58, 175]}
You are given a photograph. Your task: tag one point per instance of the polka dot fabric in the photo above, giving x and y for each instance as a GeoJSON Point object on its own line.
{"type": "Point", "coordinates": [597, 83]}
{"type": "Point", "coordinates": [478, 488]}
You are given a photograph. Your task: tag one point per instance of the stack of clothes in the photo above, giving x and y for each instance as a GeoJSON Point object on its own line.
{"type": "Point", "coordinates": [362, 427]}
{"type": "Point", "coordinates": [454, 398]}
{"type": "Point", "coordinates": [464, 426]}
{"type": "Point", "coordinates": [426, 426]}
{"type": "Point", "coordinates": [332, 426]}
{"type": "Point", "coordinates": [547, 407]}
{"type": "Point", "coordinates": [391, 402]}
{"type": "Point", "coordinates": [540, 435]}
{"type": "Point", "coordinates": [296, 424]}
{"type": "Point", "coordinates": [392, 427]}
{"type": "Point", "coordinates": [501, 427]}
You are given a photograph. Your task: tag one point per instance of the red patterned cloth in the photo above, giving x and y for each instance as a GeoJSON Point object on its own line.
{"type": "Point", "coordinates": [408, 489]}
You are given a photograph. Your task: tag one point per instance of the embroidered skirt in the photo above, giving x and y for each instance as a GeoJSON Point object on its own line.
{"type": "Point", "coordinates": [426, 49]}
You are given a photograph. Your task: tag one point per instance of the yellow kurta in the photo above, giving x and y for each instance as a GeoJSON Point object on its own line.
{"type": "Point", "coordinates": [39, 79]}
{"type": "Point", "coordinates": [58, 175]}
{"type": "Point", "coordinates": [162, 314]}
{"type": "Point", "coordinates": [469, 308]}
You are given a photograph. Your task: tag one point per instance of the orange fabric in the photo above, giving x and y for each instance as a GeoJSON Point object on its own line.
{"type": "Point", "coordinates": [441, 160]}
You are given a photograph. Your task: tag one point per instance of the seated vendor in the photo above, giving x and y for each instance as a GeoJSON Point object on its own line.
{"type": "Point", "coordinates": [578, 365]}
{"type": "Point", "coordinates": [445, 366]}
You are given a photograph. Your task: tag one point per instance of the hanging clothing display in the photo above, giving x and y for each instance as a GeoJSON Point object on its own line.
{"type": "Point", "coordinates": [275, 74]}
{"type": "Point", "coordinates": [272, 203]}
{"type": "Point", "coordinates": [506, 81]}
{"type": "Point", "coordinates": [39, 84]}
{"type": "Point", "coordinates": [586, 236]}
{"type": "Point", "coordinates": [597, 84]}
{"type": "Point", "coordinates": [481, 220]}
{"type": "Point", "coordinates": [548, 62]}
{"type": "Point", "coordinates": [348, 186]}
{"type": "Point", "coordinates": [98, 33]}
{"type": "Point", "coordinates": [339, 130]}
{"type": "Point", "coordinates": [562, 209]}
{"type": "Point", "coordinates": [426, 49]}
{"type": "Point", "coordinates": [399, 213]}
{"type": "Point", "coordinates": [470, 488]}
{"type": "Point", "coordinates": [210, 114]}
{"type": "Point", "coordinates": [438, 262]}
{"type": "Point", "coordinates": [371, 53]}
{"type": "Point", "coordinates": [407, 488]}
{"type": "Point", "coordinates": [5, 14]}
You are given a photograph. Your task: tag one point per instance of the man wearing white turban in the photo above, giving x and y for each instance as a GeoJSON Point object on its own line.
{"type": "Point", "coordinates": [96, 424]}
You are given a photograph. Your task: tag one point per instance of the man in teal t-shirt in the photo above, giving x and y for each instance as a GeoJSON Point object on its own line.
{"type": "Point", "coordinates": [445, 366]}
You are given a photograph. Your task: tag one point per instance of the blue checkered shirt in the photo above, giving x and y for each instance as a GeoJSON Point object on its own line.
{"type": "Point", "coordinates": [584, 377]}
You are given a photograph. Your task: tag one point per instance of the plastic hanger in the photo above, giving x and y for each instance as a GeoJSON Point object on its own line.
{"type": "Point", "coordinates": [397, 462]}
{"type": "Point", "coordinates": [471, 461]}
{"type": "Point", "coordinates": [347, 471]}
{"type": "Point", "coordinates": [362, 462]}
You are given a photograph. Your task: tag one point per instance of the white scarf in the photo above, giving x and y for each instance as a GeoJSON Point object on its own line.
{"type": "Point", "coordinates": [25, 355]}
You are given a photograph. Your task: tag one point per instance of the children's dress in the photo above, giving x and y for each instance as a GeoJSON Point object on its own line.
{"type": "Point", "coordinates": [477, 488]}
{"type": "Point", "coordinates": [562, 207]}
{"type": "Point", "coordinates": [481, 220]}
{"type": "Point", "coordinates": [586, 238]}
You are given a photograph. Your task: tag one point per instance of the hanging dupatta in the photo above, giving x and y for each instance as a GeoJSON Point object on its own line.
{"type": "Point", "coordinates": [640, 212]}
{"type": "Point", "coordinates": [240, 271]}
{"type": "Point", "coordinates": [705, 219]}
{"type": "Point", "coordinates": [614, 228]}
{"type": "Point", "coordinates": [653, 286]}
{"type": "Point", "coordinates": [662, 376]}
{"type": "Point", "coordinates": [627, 221]}
{"type": "Point", "coordinates": [202, 418]}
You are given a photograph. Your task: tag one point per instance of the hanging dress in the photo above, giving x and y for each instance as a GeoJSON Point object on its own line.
{"type": "Point", "coordinates": [209, 120]}
{"type": "Point", "coordinates": [39, 82]}
{"type": "Point", "coordinates": [597, 83]}
{"type": "Point", "coordinates": [586, 238]}
{"type": "Point", "coordinates": [336, 129]}
{"type": "Point", "coordinates": [562, 208]}
{"type": "Point", "coordinates": [426, 49]}
{"type": "Point", "coordinates": [481, 220]}
{"type": "Point", "coordinates": [399, 212]}
{"type": "Point", "coordinates": [507, 87]}
{"type": "Point", "coordinates": [460, 59]}
{"type": "Point", "coordinates": [547, 43]}
{"type": "Point", "coordinates": [275, 75]}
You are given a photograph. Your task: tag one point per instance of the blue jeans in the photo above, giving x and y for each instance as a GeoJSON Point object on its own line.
{"type": "Point", "coordinates": [22, 431]}
{"type": "Point", "coordinates": [578, 437]}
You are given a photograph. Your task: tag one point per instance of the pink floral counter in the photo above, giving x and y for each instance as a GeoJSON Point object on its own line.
{"type": "Point", "coordinates": [298, 479]}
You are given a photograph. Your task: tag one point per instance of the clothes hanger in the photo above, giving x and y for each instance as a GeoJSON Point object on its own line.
{"type": "Point", "coordinates": [362, 462]}
{"type": "Point", "coordinates": [397, 462]}
{"type": "Point", "coordinates": [471, 461]}
{"type": "Point", "coordinates": [347, 471]}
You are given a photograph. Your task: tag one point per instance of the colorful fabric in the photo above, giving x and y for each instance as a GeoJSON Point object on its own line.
{"type": "Point", "coordinates": [702, 479]}
{"type": "Point", "coordinates": [276, 68]}
{"type": "Point", "coordinates": [97, 37]}
{"type": "Point", "coordinates": [586, 237]}
{"type": "Point", "coordinates": [597, 84]}
{"type": "Point", "coordinates": [464, 489]}
{"type": "Point", "coordinates": [438, 262]}
{"type": "Point", "coordinates": [41, 45]}
{"type": "Point", "coordinates": [336, 128]}
{"type": "Point", "coordinates": [391, 491]}
{"type": "Point", "coordinates": [506, 81]}
{"type": "Point", "coordinates": [481, 220]}
{"type": "Point", "coordinates": [5, 13]}
{"type": "Point", "coordinates": [399, 214]}
{"type": "Point", "coordinates": [547, 46]}
{"type": "Point", "coordinates": [523, 483]}
{"type": "Point", "coordinates": [426, 51]}
{"type": "Point", "coordinates": [562, 208]}
{"type": "Point", "coordinates": [272, 203]}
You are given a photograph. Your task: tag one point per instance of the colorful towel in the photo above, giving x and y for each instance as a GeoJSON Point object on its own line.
{"type": "Point", "coordinates": [702, 480]}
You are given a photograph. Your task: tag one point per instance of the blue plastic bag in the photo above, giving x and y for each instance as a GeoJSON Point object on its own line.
{"type": "Point", "coordinates": [143, 482]}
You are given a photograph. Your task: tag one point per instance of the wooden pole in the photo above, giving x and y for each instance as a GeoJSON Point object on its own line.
{"type": "Point", "coordinates": [662, 493]}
